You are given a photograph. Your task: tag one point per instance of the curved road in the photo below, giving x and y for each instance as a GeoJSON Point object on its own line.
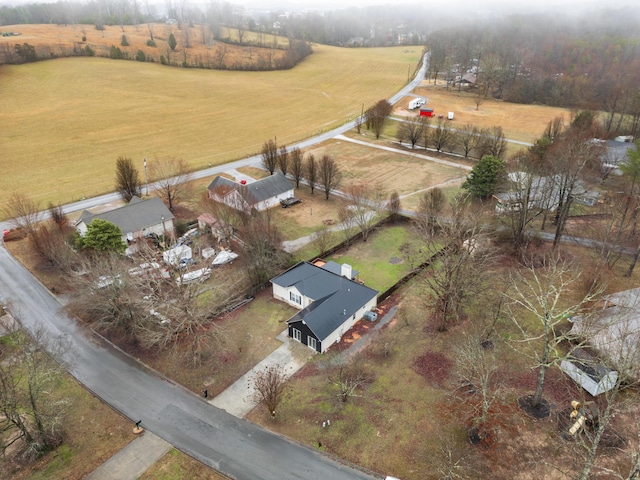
{"type": "Point", "coordinates": [230, 445]}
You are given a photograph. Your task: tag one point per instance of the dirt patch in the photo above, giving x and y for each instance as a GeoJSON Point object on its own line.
{"type": "Point", "coordinates": [434, 367]}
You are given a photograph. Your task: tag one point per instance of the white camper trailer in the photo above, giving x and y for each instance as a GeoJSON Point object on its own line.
{"type": "Point", "coordinates": [416, 102]}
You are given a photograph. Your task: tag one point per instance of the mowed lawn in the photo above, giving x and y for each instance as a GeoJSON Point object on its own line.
{"type": "Point", "coordinates": [65, 122]}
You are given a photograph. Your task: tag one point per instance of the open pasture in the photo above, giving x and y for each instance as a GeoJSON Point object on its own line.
{"type": "Point", "coordinates": [65, 122]}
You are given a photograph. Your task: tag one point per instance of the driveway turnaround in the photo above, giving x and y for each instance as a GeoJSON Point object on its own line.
{"type": "Point", "coordinates": [228, 444]}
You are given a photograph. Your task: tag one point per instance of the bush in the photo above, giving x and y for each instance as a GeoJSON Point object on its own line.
{"type": "Point", "coordinates": [99, 26]}
{"type": "Point", "coordinates": [88, 51]}
{"type": "Point", "coordinates": [163, 60]}
{"type": "Point", "coordinates": [151, 43]}
{"type": "Point", "coordinates": [84, 38]}
{"type": "Point", "coordinates": [115, 53]}
{"type": "Point", "coordinates": [124, 41]}
{"type": "Point", "coordinates": [140, 56]}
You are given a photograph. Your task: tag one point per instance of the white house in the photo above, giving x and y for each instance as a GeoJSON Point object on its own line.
{"type": "Point", "coordinates": [261, 194]}
{"type": "Point", "coordinates": [136, 219]}
{"type": "Point", "coordinates": [330, 302]}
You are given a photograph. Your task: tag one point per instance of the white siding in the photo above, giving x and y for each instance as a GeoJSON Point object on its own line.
{"type": "Point", "coordinates": [283, 294]}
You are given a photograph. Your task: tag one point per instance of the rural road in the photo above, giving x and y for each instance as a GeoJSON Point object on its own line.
{"type": "Point", "coordinates": [230, 445]}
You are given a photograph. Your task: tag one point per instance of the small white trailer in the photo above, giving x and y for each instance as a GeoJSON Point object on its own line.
{"type": "Point", "coordinates": [416, 102]}
{"type": "Point", "coordinates": [174, 255]}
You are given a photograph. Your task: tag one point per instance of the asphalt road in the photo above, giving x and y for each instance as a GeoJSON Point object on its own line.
{"type": "Point", "coordinates": [232, 446]}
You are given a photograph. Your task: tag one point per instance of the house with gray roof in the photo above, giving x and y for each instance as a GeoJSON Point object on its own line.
{"type": "Point", "coordinates": [261, 194]}
{"type": "Point", "coordinates": [136, 219]}
{"type": "Point", "coordinates": [330, 303]}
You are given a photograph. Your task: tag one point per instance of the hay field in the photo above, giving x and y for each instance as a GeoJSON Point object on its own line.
{"type": "Point", "coordinates": [520, 122]}
{"type": "Point", "coordinates": [64, 122]}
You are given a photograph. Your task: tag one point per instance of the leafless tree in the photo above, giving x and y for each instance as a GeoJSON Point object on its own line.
{"type": "Point", "coordinates": [541, 292]}
{"type": "Point", "coordinates": [171, 176]}
{"type": "Point", "coordinates": [364, 202]}
{"type": "Point", "coordinates": [270, 386]}
{"type": "Point", "coordinates": [323, 239]}
{"type": "Point", "coordinates": [283, 160]}
{"type": "Point", "coordinates": [23, 211]}
{"type": "Point", "coordinates": [441, 136]}
{"type": "Point", "coordinates": [467, 138]}
{"type": "Point", "coordinates": [330, 175]}
{"type": "Point", "coordinates": [412, 130]}
{"type": "Point", "coordinates": [127, 178]}
{"type": "Point", "coordinates": [270, 156]}
{"type": "Point", "coordinates": [458, 273]}
{"type": "Point", "coordinates": [376, 115]}
{"type": "Point", "coordinates": [311, 172]}
{"type": "Point", "coordinates": [296, 162]}
{"type": "Point", "coordinates": [491, 141]}
{"type": "Point", "coordinates": [431, 206]}
{"type": "Point", "coordinates": [393, 205]}
{"type": "Point", "coordinates": [349, 376]}
{"type": "Point", "coordinates": [221, 53]}
{"type": "Point", "coordinates": [30, 413]}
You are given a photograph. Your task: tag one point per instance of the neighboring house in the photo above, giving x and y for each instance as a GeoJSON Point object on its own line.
{"type": "Point", "coordinates": [330, 302]}
{"type": "Point", "coordinates": [219, 229]}
{"type": "Point", "coordinates": [614, 332]}
{"type": "Point", "coordinates": [616, 153]}
{"type": "Point", "coordinates": [136, 219]}
{"type": "Point", "coordinates": [539, 192]}
{"type": "Point", "coordinates": [261, 194]}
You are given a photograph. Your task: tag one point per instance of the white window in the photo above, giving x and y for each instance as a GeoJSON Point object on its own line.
{"type": "Point", "coordinates": [313, 344]}
{"type": "Point", "coordinates": [297, 335]}
{"type": "Point", "coordinates": [295, 298]}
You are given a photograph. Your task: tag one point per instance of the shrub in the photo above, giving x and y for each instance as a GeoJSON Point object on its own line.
{"type": "Point", "coordinates": [84, 38]}
{"type": "Point", "coordinates": [140, 56]}
{"type": "Point", "coordinates": [163, 60]}
{"type": "Point", "coordinates": [151, 43]}
{"type": "Point", "coordinates": [88, 51]}
{"type": "Point", "coordinates": [124, 41]}
{"type": "Point", "coordinates": [115, 53]}
{"type": "Point", "coordinates": [99, 26]}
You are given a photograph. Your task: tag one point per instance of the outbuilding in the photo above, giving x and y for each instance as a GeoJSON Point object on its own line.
{"type": "Point", "coordinates": [426, 112]}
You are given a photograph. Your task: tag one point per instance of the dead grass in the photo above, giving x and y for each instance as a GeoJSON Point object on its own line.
{"type": "Point", "coordinates": [66, 121]}
{"type": "Point", "coordinates": [175, 465]}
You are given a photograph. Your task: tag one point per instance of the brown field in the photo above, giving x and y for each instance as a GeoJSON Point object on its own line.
{"type": "Point", "coordinates": [66, 121]}
{"type": "Point", "coordinates": [520, 122]}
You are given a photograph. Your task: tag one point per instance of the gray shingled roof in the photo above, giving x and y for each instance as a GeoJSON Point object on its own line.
{"type": "Point", "coordinates": [259, 190]}
{"type": "Point", "coordinates": [134, 216]}
{"type": "Point", "coordinates": [335, 298]}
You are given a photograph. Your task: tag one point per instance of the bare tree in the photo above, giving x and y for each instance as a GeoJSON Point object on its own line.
{"type": "Point", "coordinates": [458, 273]}
{"type": "Point", "coordinates": [311, 171]}
{"type": "Point", "coordinates": [541, 293]}
{"type": "Point", "coordinates": [431, 206]}
{"type": "Point", "coordinates": [467, 138]}
{"type": "Point", "coordinates": [270, 156]}
{"type": "Point", "coordinates": [330, 175]}
{"type": "Point", "coordinates": [412, 130]}
{"type": "Point", "coordinates": [127, 179]}
{"type": "Point", "coordinates": [29, 412]}
{"type": "Point", "coordinates": [296, 162]}
{"type": "Point", "coordinates": [322, 239]}
{"type": "Point", "coordinates": [441, 136]}
{"type": "Point", "coordinates": [376, 115]}
{"type": "Point", "coordinates": [364, 202]}
{"type": "Point", "coordinates": [349, 376]}
{"type": "Point", "coordinates": [283, 160]}
{"type": "Point", "coordinates": [270, 386]}
{"type": "Point", "coordinates": [23, 211]}
{"type": "Point", "coordinates": [171, 176]}
{"type": "Point", "coordinates": [393, 205]}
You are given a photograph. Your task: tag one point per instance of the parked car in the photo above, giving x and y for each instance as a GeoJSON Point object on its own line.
{"type": "Point", "coordinates": [287, 202]}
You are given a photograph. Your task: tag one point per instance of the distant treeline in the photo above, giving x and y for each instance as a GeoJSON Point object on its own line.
{"type": "Point", "coordinates": [587, 62]}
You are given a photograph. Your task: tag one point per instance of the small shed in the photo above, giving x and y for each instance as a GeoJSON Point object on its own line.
{"type": "Point", "coordinates": [589, 373]}
{"type": "Point", "coordinates": [426, 112]}
{"type": "Point", "coordinates": [174, 255]}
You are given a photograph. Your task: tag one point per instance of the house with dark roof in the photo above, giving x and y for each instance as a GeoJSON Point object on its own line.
{"type": "Point", "coordinates": [330, 302]}
{"type": "Point", "coordinates": [261, 194]}
{"type": "Point", "coordinates": [136, 219]}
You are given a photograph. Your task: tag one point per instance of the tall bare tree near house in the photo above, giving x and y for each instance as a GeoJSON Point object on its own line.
{"type": "Point", "coordinates": [270, 156]}
{"type": "Point", "coordinates": [283, 160]}
{"type": "Point", "coordinates": [541, 292]}
{"type": "Point", "coordinates": [349, 376]}
{"type": "Point", "coordinates": [364, 202]}
{"type": "Point", "coordinates": [270, 386]}
{"type": "Point", "coordinates": [127, 179]}
{"type": "Point", "coordinates": [463, 257]}
{"type": "Point", "coordinates": [171, 176]}
{"type": "Point", "coordinates": [311, 171]}
{"type": "Point", "coordinates": [296, 162]}
{"type": "Point", "coordinates": [411, 130]}
{"type": "Point", "coordinates": [330, 175]}
{"type": "Point", "coordinates": [227, 217]}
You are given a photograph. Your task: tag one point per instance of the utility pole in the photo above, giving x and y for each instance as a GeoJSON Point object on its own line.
{"type": "Point", "coordinates": [146, 182]}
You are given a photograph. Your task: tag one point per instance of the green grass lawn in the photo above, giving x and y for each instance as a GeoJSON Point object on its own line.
{"type": "Point", "coordinates": [372, 258]}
